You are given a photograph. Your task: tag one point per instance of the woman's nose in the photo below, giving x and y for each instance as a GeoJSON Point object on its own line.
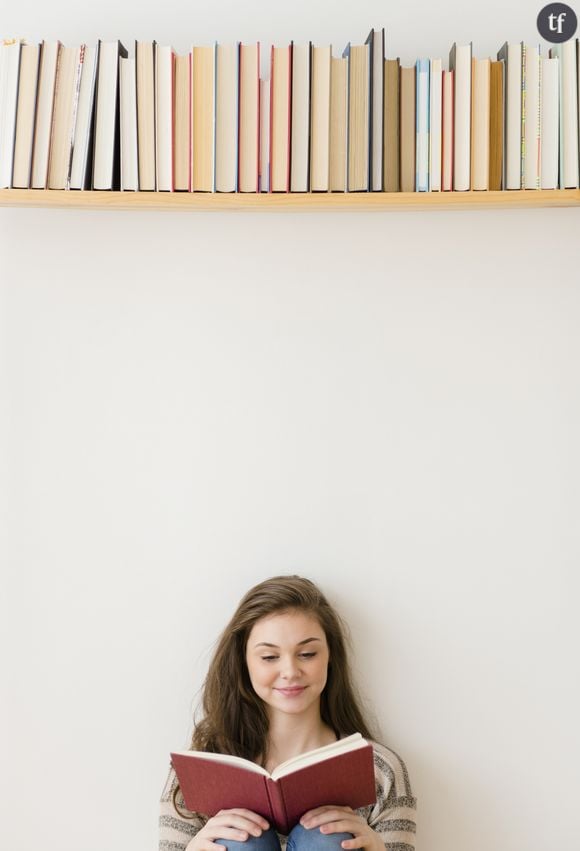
{"type": "Point", "coordinates": [290, 668]}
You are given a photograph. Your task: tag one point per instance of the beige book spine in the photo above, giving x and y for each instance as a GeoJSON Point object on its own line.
{"type": "Point", "coordinates": [280, 120]}
{"type": "Point", "coordinates": [203, 131]}
{"type": "Point", "coordinates": [144, 65]}
{"type": "Point", "coordinates": [227, 83]}
{"type": "Point", "coordinates": [480, 95]}
{"type": "Point", "coordinates": [181, 136]}
{"type": "Point", "coordinates": [408, 130]}
{"type": "Point", "coordinates": [391, 169]}
{"type": "Point", "coordinates": [358, 119]}
{"type": "Point", "coordinates": [338, 124]}
{"type": "Point", "coordinates": [249, 118]}
{"type": "Point", "coordinates": [64, 110]}
{"type": "Point", "coordinates": [320, 120]}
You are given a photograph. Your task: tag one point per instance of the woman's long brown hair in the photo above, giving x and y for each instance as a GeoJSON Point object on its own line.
{"type": "Point", "coordinates": [234, 720]}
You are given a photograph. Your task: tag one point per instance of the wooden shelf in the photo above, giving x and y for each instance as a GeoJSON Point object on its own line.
{"type": "Point", "coordinates": [289, 202]}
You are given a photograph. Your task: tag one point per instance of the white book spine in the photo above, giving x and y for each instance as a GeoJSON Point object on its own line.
{"type": "Point", "coordinates": [128, 118]}
{"type": "Point", "coordinates": [462, 136]}
{"type": "Point", "coordinates": [249, 165]}
{"type": "Point", "coordinates": [44, 105]}
{"type": "Point", "coordinates": [435, 120]}
{"type": "Point", "coordinates": [9, 66]}
{"type": "Point", "coordinates": [300, 126]}
{"type": "Point", "coordinates": [265, 135]}
{"type": "Point", "coordinates": [378, 73]}
{"type": "Point", "coordinates": [569, 119]}
{"type": "Point", "coordinates": [549, 122]}
{"type": "Point", "coordinates": [447, 133]}
{"type": "Point", "coordinates": [481, 119]}
{"type": "Point", "coordinates": [568, 123]}
{"type": "Point", "coordinates": [106, 115]}
{"type": "Point", "coordinates": [164, 117]}
{"type": "Point", "coordinates": [25, 116]}
{"type": "Point", "coordinates": [66, 96]}
{"type": "Point", "coordinates": [226, 158]}
{"type": "Point", "coordinates": [531, 178]}
{"type": "Point", "coordinates": [513, 117]}
{"type": "Point", "coordinates": [320, 120]}
{"type": "Point", "coordinates": [422, 146]}
{"type": "Point", "coordinates": [83, 119]}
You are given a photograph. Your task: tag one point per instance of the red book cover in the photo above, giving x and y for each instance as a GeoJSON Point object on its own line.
{"type": "Point", "coordinates": [345, 778]}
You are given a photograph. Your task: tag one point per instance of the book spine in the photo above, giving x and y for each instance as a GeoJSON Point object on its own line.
{"type": "Point", "coordinates": [277, 806]}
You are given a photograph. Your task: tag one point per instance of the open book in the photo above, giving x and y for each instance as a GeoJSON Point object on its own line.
{"type": "Point", "coordinates": [341, 773]}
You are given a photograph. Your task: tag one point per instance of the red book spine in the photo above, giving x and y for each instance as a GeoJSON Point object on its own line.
{"type": "Point", "coordinates": [271, 118]}
{"type": "Point", "coordinates": [277, 806]}
{"type": "Point", "coordinates": [289, 121]}
{"type": "Point", "coordinates": [259, 121]}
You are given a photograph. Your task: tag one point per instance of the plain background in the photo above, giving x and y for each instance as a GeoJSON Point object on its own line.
{"type": "Point", "coordinates": [387, 403]}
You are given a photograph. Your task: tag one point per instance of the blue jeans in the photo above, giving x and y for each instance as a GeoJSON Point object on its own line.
{"type": "Point", "coordinates": [299, 839]}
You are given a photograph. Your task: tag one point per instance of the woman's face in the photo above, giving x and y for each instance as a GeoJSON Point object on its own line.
{"type": "Point", "coordinates": [287, 657]}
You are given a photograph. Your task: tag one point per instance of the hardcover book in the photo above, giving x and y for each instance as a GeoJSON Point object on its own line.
{"type": "Point", "coordinates": [81, 163]}
{"type": "Point", "coordinates": [145, 92]}
{"type": "Point", "coordinates": [49, 51]}
{"type": "Point", "coordinates": [480, 123]}
{"type": "Point", "coordinates": [392, 124]}
{"type": "Point", "coordinates": [164, 116]}
{"type": "Point", "coordinates": [249, 111]}
{"type": "Point", "coordinates": [66, 94]}
{"type": "Point", "coordinates": [460, 63]}
{"type": "Point", "coordinates": [376, 43]}
{"type": "Point", "coordinates": [358, 139]}
{"type": "Point", "coordinates": [280, 118]}
{"type": "Point", "coordinates": [203, 110]}
{"type": "Point", "coordinates": [320, 119]}
{"type": "Point", "coordinates": [435, 124]}
{"type": "Point", "coordinates": [341, 773]}
{"type": "Point", "coordinates": [511, 55]}
{"type": "Point", "coordinates": [25, 115]}
{"type": "Point", "coordinates": [422, 73]}
{"type": "Point", "coordinates": [106, 162]}
{"type": "Point", "coordinates": [408, 128]}
{"type": "Point", "coordinates": [300, 117]}
{"type": "Point", "coordinates": [338, 135]}
{"type": "Point", "coordinates": [226, 117]}
{"type": "Point", "coordinates": [496, 124]}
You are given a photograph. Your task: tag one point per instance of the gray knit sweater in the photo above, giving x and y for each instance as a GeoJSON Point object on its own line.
{"type": "Point", "coordinates": [392, 817]}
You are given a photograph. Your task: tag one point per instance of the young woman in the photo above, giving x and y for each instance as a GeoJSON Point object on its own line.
{"type": "Point", "coordinates": [279, 685]}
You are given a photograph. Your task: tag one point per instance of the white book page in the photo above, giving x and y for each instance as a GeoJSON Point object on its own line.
{"type": "Point", "coordinates": [350, 743]}
{"type": "Point", "coordinates": [226, 759]}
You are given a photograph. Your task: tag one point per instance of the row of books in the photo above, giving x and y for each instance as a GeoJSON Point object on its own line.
{"type": "Point", "coordinates": [92, 117]}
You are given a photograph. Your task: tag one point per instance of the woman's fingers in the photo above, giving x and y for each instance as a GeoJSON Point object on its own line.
{"type": "Point", "coordinates": [340, 826]}
{"type": "Point", "coordinates": [323, 815]}
{"type": "Point", "coordinates": [355, 842]}
{"type": "Point", "coordinates": [239, 823]}
{"type": "Point", "coordinates": [221, 832]}
{"type": "Point", "coordinates": [248, 815]}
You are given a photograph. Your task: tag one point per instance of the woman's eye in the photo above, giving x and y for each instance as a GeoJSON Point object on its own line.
{"type": "Point", "coordinates": [273, 658]}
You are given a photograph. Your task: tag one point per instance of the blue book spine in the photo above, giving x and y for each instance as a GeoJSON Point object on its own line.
{"type": "Point", "coordinates": [423, 67]}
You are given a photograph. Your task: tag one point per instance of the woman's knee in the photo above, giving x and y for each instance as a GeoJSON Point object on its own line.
{"type": "Point", "coordinates": [304, 839]}
{"type": "Point", "coordinates": [267, 841]}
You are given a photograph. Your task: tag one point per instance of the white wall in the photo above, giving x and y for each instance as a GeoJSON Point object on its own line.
{"type": "Point", "coordinates": [387, 403]}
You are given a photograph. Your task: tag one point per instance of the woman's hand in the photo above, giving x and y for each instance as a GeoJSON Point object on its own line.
{"type": "Point", "coordinates": [227, 824]}
{"type": "Point", "coordinates": [335, 819]}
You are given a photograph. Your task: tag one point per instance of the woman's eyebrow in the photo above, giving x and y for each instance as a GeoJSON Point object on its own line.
{"type": "Point", "coordinates": [267, 643]}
